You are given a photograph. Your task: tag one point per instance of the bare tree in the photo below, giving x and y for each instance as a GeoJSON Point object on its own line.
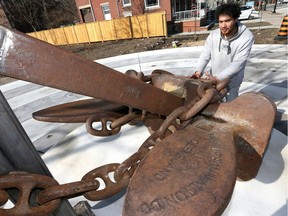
{"type": "Point", "coordinates": [61, 12]}
{"type": "Point", "coordinates": [22, 11]}
{"type": "Point", "coordinates": [35, 15]}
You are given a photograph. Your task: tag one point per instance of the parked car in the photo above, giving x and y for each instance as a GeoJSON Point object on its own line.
{"type": "Point", "coordinates": [248, 12]}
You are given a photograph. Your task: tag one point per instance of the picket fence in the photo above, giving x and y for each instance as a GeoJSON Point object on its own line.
{"type": "Point", "coordinates": [147, 25]}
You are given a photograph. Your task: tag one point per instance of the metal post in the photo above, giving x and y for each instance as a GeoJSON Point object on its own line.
{"type": "Point", "coordinates": [17, 153]}
{"type": "Point", "coordinates": [275, 5]}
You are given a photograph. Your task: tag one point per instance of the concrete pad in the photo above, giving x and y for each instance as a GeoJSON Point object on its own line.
{"type": "Point", "coordinates": [70, 152]}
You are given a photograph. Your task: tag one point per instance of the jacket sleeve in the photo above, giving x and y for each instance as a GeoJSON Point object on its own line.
{"type": "Point", "coordinates": [205, 55]}
{"type": "Point", "coordinates": [239, 60]}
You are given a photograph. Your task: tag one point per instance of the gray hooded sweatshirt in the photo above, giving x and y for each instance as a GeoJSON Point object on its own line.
{"type": "Point", "coordinates": [228, 57]}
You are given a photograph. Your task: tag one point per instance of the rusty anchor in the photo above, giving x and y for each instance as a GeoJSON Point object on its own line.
{"type": "Point", "coordinates": [198, 144]}
{"type": "Point", "coordinates": [206, 157]}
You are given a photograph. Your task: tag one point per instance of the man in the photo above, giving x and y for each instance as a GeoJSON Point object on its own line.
{"type": "Point", "coordinates": [228, 48]}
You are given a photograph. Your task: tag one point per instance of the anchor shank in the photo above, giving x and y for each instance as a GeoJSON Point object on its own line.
{"type": "Point", "coordinates": [26, 58]}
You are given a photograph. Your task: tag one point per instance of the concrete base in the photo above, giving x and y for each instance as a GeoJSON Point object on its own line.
{"type": "Point", "coordinates": [70, 152]}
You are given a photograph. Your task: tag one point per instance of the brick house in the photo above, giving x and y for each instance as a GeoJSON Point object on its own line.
{"type": "Point", "coordinates": [181, 15]}
{"type": "Point", "coordinates": [92, 10]}
{"type": "Point", "coordinates": [3, 19]}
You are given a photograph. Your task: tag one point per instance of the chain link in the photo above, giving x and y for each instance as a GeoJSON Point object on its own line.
{"type": "Point", "coordinates": [26, 183]}
{"type": "Point", "coordinates": [67, 190]}
{"type": "Point", "coordinates": [123, 120]}
{"type": "Point", "coordinates": [89, 186]}
{"type": "Point", "coordinates": [205, 92]}
{"type": "Point", "coordinates": [139, 75]}
{"type": "Point", "coordinates": [111, 123]}
{"type": "Point", "coordinates": [104, 119]}
{"type": "Point", "coordinates": [112, 186]}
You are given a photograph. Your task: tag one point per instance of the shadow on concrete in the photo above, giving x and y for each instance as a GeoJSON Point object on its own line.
{"type": "Point", "coordinates": [281, 117]}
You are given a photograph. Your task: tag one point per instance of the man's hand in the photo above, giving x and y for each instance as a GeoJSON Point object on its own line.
{"type": "Point", "coordinates": [210, 77]}
{"type": "Point", "coordinates": [196, 75]}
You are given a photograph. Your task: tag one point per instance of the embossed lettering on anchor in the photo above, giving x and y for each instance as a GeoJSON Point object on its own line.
{"type": "Point", "coordinates": [176, 160]}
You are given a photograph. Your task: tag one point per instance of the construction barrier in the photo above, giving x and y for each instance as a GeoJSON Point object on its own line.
{"type": "Point", "coordinates": [283, 31]}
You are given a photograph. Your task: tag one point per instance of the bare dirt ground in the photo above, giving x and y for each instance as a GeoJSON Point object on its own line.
{"type": "Point", "coordinates": [106, 49]}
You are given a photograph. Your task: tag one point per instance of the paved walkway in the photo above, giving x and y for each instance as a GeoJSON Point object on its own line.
{"type": "Point", "coordinates": [70, 152]}
{"type": "Point", "coordinates": [275, 18]}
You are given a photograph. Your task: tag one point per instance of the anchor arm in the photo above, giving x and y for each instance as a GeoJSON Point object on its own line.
{"type": "Point", "coordinates": [26, 58]}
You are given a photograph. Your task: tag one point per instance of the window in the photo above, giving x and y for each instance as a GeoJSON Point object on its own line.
{"type": "Point", "coordinates": [86, 14]}
{"type": "Point", "coordinates": [106, 11]}
{"type": "Point", "coordinates": [151, 3]}
{"type": "Point", "coordinates": [126, 2]}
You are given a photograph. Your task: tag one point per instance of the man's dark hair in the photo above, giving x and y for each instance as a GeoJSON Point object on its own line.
{"type": "Point", "coordinates": [231, 9]}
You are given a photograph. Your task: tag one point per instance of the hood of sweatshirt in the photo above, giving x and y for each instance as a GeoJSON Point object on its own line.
{"type": "Point", "coordinates": [225, 43]}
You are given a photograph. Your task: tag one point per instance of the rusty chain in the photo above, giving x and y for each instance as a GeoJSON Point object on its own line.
{"type": "Point", "coordinates": [110, 124]}
{"type": "Point", "coordinates": [51, 192]}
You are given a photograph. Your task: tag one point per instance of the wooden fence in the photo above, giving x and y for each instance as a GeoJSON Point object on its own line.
{"type": "Point", "coordinates": [147, 25]}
